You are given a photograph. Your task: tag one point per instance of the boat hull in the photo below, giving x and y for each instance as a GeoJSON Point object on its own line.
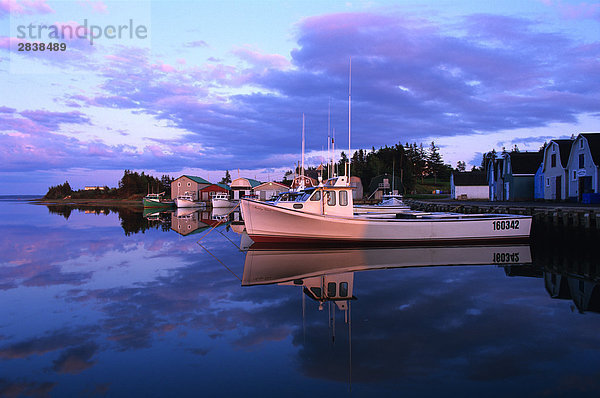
{"type": "Point", "coordinates": [268, 223]}
{"type": "Point", "coordinates": [155, 203]}
{"type": "Point", "coordinates": [222, 203]}
{"type": "Point", "coordinates": [187, 203]}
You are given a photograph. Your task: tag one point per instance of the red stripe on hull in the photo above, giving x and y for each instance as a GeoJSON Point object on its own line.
{"type": "Point", "coordinates": [358, 242]}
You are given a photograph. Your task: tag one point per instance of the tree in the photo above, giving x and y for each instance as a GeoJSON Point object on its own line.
{"type": "Point", "coordinates": [434, 160]}
{"type": "Point", "coordinates": [226, 179]}
{"type": "Point", "coordinates": [461, 166]}
{"type": "Point", "coordinates": [59, 191]}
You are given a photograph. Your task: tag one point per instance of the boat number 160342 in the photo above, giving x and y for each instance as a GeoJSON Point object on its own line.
{"type": "Point", "coordinates": [506, 224]}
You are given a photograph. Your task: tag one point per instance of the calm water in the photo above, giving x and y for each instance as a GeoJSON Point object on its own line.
{"type": "Point", "coordinates": [114, 304]}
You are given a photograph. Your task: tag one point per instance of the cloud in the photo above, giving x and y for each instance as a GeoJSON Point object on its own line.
{"type": "Point", "coordinates": [197, 43]}
{"type": "Point", "coordinates": [24, 7]}
{"type": "Point", "coordinates": [76, 359]}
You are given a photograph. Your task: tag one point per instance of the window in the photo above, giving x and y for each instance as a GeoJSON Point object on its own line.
{"type": "Point", "coordinates": [189, 184]}
{"type": "Point", "coordinates": [547, 182]}
{"type": "Point", "coordinates": [553, 160]}
{"type": "Point", "coordinates": [178, 184]}
{"type": "Point", "coordinates": [316, 196]}
{"type": "Point", "coordinates": [580, 143]}
{"type": "Point", "coordinates": [581, 161]}
{"type": "Point", "coordinates": [331, 198]}
{"type": "Point", "coordinates": [344, 289]}
{"type": "Point", "coordinates": [343, 198]}
{"type": "Point", "coordinates": [574, 175]}
{"type": "Point", "coordinates": [331, 288]}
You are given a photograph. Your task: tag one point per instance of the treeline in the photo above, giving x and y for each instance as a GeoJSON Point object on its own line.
{"type": "Point", "coordinates": [131, 185]}
{"type": "Point", "coordinates": [411, 163]}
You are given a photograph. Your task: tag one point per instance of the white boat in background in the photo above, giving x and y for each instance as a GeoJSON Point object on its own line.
{"type": "Point", "coordinates": [187, 200]}
{"type": "Point", "coordinates": [221, 199]}
{"type": "Point", "coordinates": [325, 213]}
{"type": "Point", "coordinates": [390, 204]}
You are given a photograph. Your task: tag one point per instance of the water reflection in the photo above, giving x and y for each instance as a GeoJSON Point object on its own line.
{"type": "Point", "coordinates": [84, 302]}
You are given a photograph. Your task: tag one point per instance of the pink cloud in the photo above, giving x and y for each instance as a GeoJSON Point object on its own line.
{"type": "Point", "coordinates": [24, 7]}
{"type": "Point", "coordinates": [10, 42]}
{"type": "Point", "coordinates": [256, 58]}
{"type": "Point", "coordinates": [95, 5]}
{"type": "Point", "coordinates": [166, 68]}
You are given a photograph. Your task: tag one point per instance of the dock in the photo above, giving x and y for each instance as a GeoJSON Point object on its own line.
{"type": "Point", "coordinates": [557, 214]}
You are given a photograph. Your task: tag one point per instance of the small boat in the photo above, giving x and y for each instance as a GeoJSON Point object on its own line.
{"type": "Point", "coordinates": [157, 200]}
{"type": "Point", "coordinates": [221, 199]}
{"type": "Point", "coordinates": [187, 200]}
{"type": "Point", "coordinates": [390, 204]}
{"type": "Point", "coordinates": [325, 214]}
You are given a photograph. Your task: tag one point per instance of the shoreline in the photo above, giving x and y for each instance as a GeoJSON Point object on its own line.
{"type": "Point", "coordinates": [90, 202]}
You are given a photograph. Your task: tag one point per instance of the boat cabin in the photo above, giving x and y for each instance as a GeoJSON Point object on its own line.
{"type": "Point", "coordinates": [334, 198]}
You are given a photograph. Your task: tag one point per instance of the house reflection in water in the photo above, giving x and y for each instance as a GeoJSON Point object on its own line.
{"type": "Point", "coordinates": [186, 221]}
{"type": "Point", "coordinates": [584, 290]}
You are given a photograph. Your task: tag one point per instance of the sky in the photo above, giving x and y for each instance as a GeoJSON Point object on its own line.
{"type": "Point", "coordinates": [200, 87]}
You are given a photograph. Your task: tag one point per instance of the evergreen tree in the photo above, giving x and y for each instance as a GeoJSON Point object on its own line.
{"type": "Point", "coordinates": [226, 179]}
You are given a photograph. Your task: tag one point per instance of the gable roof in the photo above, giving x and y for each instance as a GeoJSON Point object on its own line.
{"type": "Point", "coordinates": [224, 186]}
{"type": "Point", "coordinates": [470, 178]}
{"type": "Point", "coordinates": [593, 140]}
{"type": "Point", "coordinates": [199, 180]}
{"type": "Point", "coordinates": [564, 148]}
{"type": "Point", "coordinates": [272, 184]}
{"type": "Point", "coordinates": [253, 183]}
{"type": "Point", "coordinates": [525, 162]}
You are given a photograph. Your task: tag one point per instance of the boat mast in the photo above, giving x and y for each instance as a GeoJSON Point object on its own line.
{"type": "Point", "coordinates": [349, 114]}
{"type": "Point", "coordinates": [329, 161]}
{"type": "Point", "coordinates": [302, 171]}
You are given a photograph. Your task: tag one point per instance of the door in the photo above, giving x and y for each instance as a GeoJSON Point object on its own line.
{"type": "Point", "coordinates": [585, 186]}
{"type": "Point", "coordinates": [558, 186]}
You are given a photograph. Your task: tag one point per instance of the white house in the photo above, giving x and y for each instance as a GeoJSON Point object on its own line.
{"type": "Point", "coordinates": [243, 187]}
{"type": "Point", "coordinates": [583, 167]}
{"type": "Point", "coordinates": [555, 177]}
{"type": "Point", "coordinates": [469, 185]}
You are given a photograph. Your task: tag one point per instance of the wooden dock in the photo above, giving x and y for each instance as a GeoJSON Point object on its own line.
{"type": "Point", "coordinates": [556, 214]}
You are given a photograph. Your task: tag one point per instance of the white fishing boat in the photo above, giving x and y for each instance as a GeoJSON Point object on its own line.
{"type": "Point", "coordinates": [391, 204]}
{"type": "Point", "coordinates": [325, 213]}
{"type": "Point", "coordinates": [187, 200]}
{"type": "Point", "coordinates": [221, 199]}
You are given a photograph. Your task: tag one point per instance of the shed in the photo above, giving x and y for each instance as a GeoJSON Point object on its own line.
{"type": "Point", "coordinates": [583, 167]}
{"type": "Point", "coordinates": [519, 175]}
{"type": "Point", "coordinates": [308, 182]}
{"type": "Point", "coordinates": [243, 187]}
{"type": "Point", "coordinates": [469, 185]}
{"type": "Point", "coordinates": [357, 190]}
{"type": "Point", "coordinates": [208, 192]}
{"type": "Point", "coordinates": [554, 175]}
{"type": "Point", "coordinates": [268, 190]}
{"type": "Point", "coordinates": [188, 183]}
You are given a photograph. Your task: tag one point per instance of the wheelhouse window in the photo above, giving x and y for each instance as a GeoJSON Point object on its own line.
{"type": "Point", "coordinates": [331, 288]}
{"type": "Point", "coordinates": [343, 198]}
{"type": "Point", "coordinates": [316, 196]}
{"type": "Point", "coordinates": [344, 289]}
{"type": "Point", "coordinates": [331, 198]}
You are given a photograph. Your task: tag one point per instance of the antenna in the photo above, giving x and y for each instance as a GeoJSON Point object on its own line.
{"type": "Point", "coordinates": [302, 172]}
{"type": "Point", "coordinates": [349, 114]}
{"type": "Point", "coordinates": [329, 139]}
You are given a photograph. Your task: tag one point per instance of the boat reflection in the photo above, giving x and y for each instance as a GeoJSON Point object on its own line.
{"type": "Point", "coordinates": [327, 274]}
